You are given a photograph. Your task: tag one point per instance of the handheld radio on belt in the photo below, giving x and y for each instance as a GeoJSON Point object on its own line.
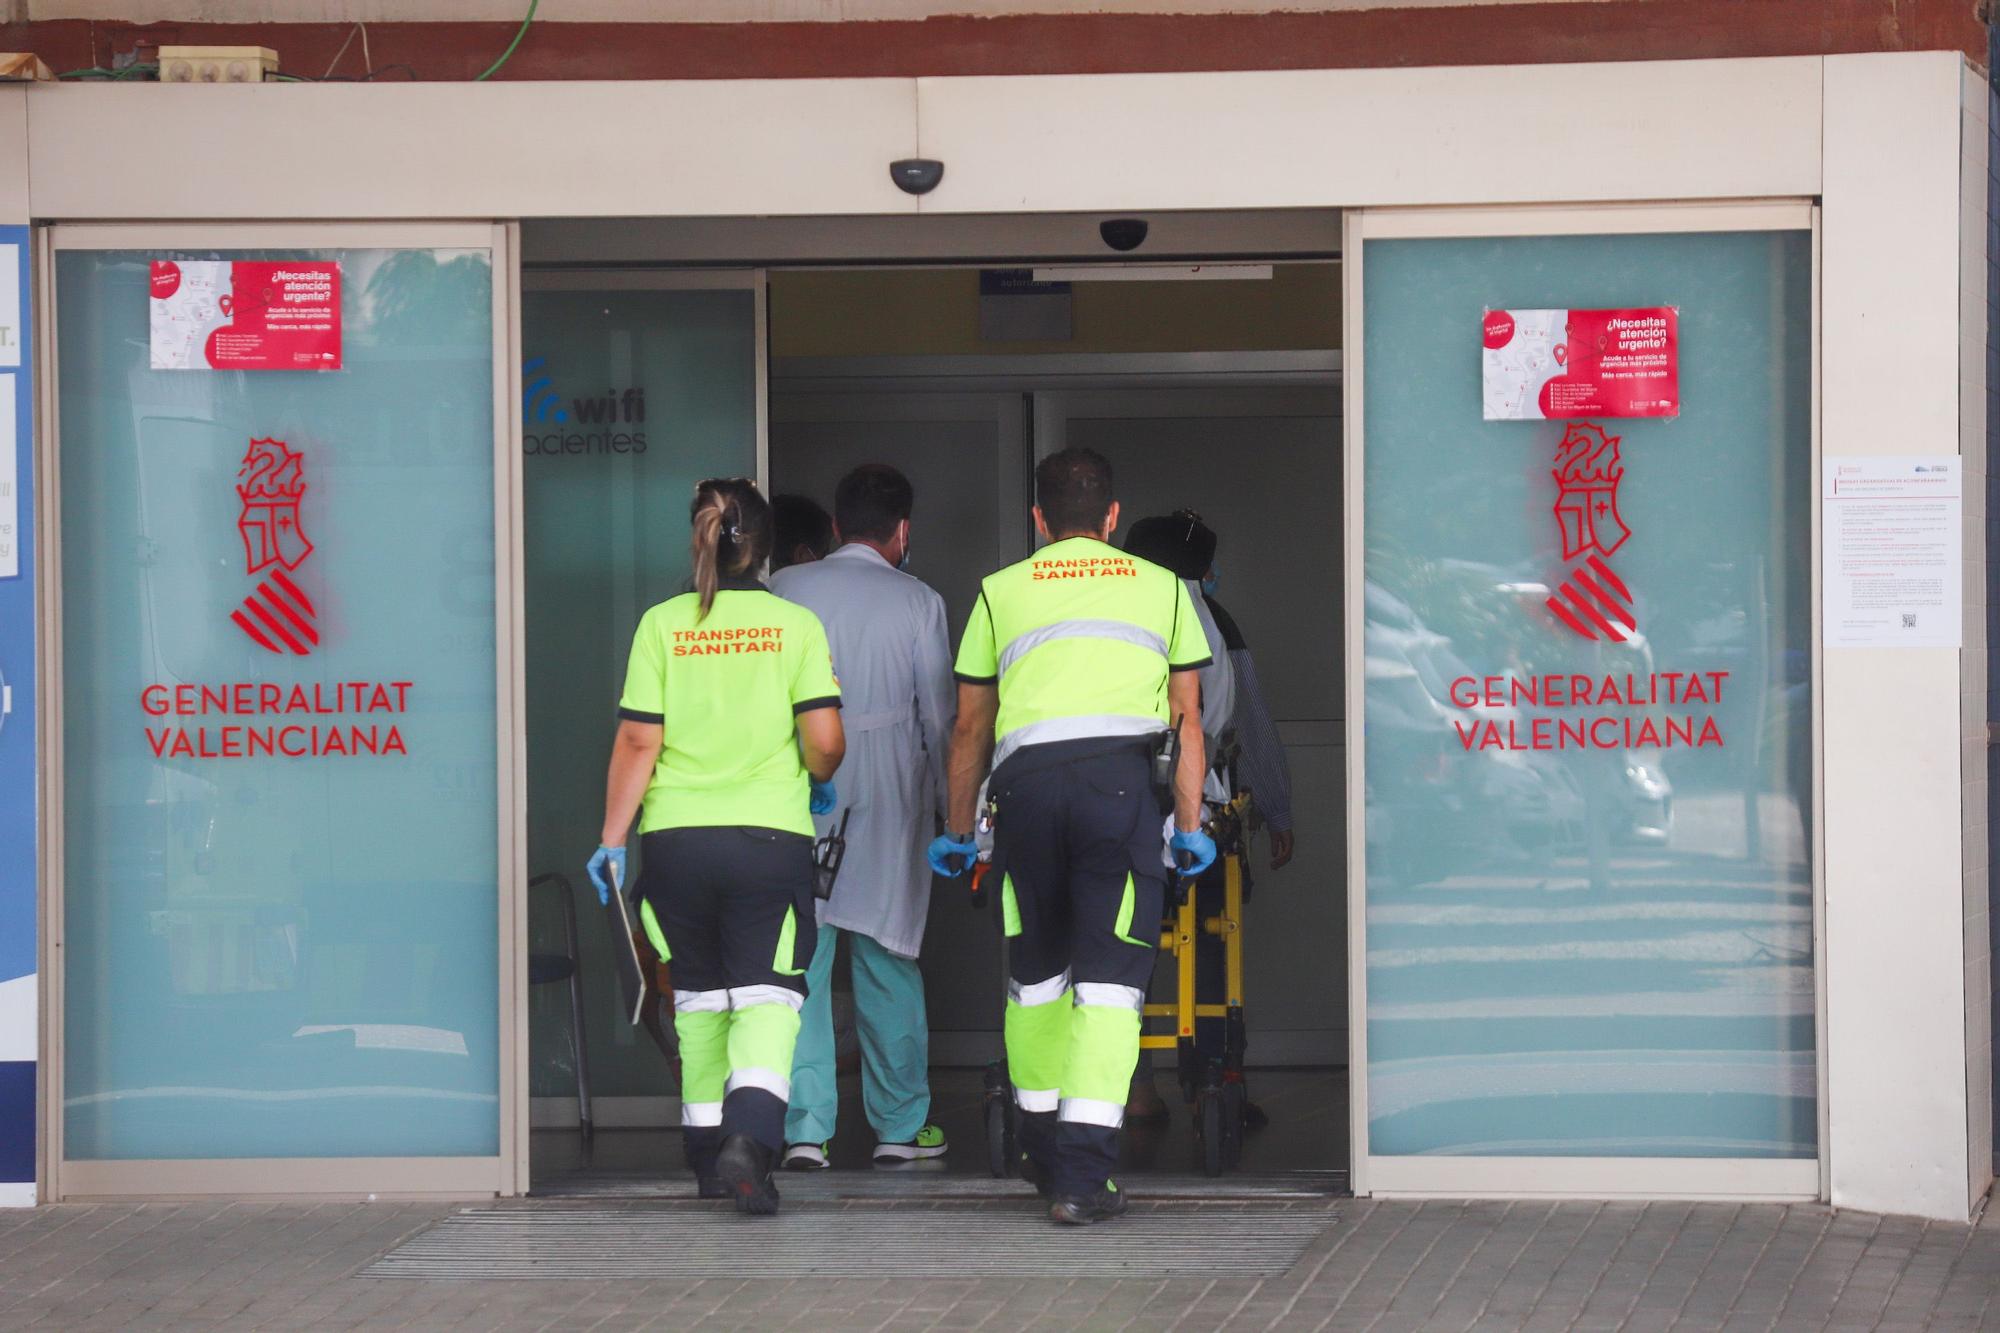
{"type": "Point", "coordinates": [828, 853]}
{"type": "Point", "coordinates": [983, 828]}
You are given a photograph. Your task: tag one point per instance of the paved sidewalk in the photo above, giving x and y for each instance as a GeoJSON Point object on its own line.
{"type": "Point", "coordinates": [1374, 1265]}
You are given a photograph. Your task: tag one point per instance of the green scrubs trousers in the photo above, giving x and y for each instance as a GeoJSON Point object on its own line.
{"type": "Point", "coordinates": [895, 1044]}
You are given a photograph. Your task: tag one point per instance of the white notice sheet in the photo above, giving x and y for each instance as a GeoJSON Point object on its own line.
{"type": "Point", "coordinates": [1894, 533]}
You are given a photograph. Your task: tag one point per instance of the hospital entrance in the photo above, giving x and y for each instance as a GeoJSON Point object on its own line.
{"type": "Point", "coordinates": [1211, 387]}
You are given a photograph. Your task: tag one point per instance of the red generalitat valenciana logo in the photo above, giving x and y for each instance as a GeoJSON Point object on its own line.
{"type": "Point", "coordinates": [278, 617]}
{"type": "Point", "coordinates": [1592, 600]}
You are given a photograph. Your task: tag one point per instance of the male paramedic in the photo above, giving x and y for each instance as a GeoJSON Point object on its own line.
{"type": "Point", "coordinates": [887, 631]}
{"type": "Point", "coordinates": [1076, 670]}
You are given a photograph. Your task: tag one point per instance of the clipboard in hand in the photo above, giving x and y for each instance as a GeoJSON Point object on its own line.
{"type": "Point", "coordinates": [625, 952]}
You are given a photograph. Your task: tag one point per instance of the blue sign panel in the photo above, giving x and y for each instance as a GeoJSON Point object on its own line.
{"type": "Point", "coordinates": [18, 1017]}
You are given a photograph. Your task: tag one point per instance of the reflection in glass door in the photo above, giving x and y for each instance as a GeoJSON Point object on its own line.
{"type": "Point", "coordinates": [634, 387]}
{"type": "Point", "coordinates": [281, 845]}
{"type": "Point", "coordinates": [1588, 721]}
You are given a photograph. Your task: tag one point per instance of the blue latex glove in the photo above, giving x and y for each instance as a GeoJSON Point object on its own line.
{"type": "Point", "coordinates": [1199, 846]}
{"type": "Point", "coordinates": [952, 854]}
{"type": "Point", "coordinates": [607, 872]}
{"type": "Point", "coordinates": [823, 798]}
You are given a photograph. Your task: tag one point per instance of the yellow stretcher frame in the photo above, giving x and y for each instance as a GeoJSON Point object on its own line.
{"type": "Point", "coordinates": [1177, 940]}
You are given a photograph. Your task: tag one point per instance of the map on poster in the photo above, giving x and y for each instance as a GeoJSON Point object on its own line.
{"type": "Point", "coordinates": [245, 315]}
{"type": "Point", "coordinates": [1542, 364]}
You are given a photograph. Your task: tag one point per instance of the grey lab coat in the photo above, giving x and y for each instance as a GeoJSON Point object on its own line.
{"type": "Point", "coordinates": [893, 658]}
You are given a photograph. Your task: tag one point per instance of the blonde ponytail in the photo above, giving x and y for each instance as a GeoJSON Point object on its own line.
{"type": "Point", "coordinates": [705, 549]}
{"type": "Point", "coordinates": [732, 535]}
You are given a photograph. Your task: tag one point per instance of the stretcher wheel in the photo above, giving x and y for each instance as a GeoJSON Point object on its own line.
{"type": "Point", "coordinates": [1001, 1152]}
{"type": "Point", "coordinates": [1235, 1097]}
{"type": "Point", "coordinates": [998, 1158]}
{"type": "Point", "coordinates": [1208, 1130]}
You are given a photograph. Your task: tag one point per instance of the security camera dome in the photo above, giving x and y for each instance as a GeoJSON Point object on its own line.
{"type": "Point", "coordinates": [1123, 234]}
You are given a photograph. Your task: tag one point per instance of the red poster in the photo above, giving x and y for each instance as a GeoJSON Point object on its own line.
{"type": "Point", "coordinates": [245, 315]}
{"type": "Point", "coordinates": [1542, 364]}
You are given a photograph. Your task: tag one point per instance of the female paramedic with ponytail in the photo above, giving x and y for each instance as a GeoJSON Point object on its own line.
{"type": "Point", "coordinates": [728, 736]}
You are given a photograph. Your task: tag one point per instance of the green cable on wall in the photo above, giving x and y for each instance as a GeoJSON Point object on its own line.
{"type": "Point", "coordinates": [506, 55]}
{"type": "Point", "coordinates": [140, 71]}
{"type": "Point", "coordinates": [114, 75]}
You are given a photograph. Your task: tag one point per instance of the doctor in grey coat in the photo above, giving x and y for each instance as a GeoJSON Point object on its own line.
{"type": "Point", "coordinates": [893, 657]}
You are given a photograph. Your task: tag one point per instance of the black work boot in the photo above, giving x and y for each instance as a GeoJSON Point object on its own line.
{"type": "Point", "coordinates": [1080, 1210]}
{"type": "Point", "coordinates": [745, 1168]}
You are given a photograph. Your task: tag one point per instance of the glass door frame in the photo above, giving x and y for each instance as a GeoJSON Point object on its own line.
{"type": "Point", "coordinates": [1555, 1177]}
{"type": "Point", "coordinates": [636, 1110]}
{"type": "Point", "coordinates": [504, 1173]}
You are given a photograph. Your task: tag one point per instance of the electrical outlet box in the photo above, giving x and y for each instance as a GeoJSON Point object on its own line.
{"type": "Point", "coordinates": [20, 67]}
{"type": "Point", "coordinates": [217, 64]}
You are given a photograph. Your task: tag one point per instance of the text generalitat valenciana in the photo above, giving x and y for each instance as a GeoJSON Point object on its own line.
{"type": "Point", "coordinates": [1576, 690]}
{"type": "Point", "coordinates": [253, 698]}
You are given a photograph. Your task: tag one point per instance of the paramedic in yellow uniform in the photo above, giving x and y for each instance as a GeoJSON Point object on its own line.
{"type": "Point", "coordinates": [1075, 663]}
{"type": "Point", "coordinates": [728, 737]}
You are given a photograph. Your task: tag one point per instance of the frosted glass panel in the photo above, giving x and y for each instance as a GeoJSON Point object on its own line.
{"type": "Point", "coordinates": [279, 717]}
{"type": "Point", "coordinates": [631, 397]}
{"type": "Point", "coordinates": [1589, 894]}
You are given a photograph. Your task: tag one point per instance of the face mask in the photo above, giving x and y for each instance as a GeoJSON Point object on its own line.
{"type": "Point", "coordinates": [904, 563]}
{"type": "Point", "coordinates": [1209, 581]}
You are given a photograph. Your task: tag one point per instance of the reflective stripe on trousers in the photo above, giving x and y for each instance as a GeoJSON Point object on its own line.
{"type": "Point", "coordinates": [776, 1084]}
{"type": "Point", "coordinates": [1107, 996]}
{"type": "Point", "coordinates": [701, 1001]}
{"type": "Point", "coordinates": [1039, 992]}
{"type": "Point", "coordinates": [745, 997]}
{"type": "Point", "coordinates": [1088, 1111]}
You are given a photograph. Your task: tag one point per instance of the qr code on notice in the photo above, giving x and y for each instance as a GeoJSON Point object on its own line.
{"type": "Point", "coordinates": [1909, 620]}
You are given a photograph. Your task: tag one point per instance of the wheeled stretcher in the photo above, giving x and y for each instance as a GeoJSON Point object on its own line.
{"type": "Point", "coordinates": [1213, 1084]}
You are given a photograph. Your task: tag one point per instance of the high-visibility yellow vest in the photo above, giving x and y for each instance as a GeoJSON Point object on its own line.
{"type": "Point", "coordinates": [1080, 638]}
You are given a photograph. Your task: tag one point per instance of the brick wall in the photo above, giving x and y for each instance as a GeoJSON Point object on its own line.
{"type": "Point", "coordinates": [1383, 36]}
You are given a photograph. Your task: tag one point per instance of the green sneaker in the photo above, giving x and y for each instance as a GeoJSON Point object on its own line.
{"type": "Point", "coordinates": [806, 1157]}
{"type": "Point", "coordinates": [929, 1143]}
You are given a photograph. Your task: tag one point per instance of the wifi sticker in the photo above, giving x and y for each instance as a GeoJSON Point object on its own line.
{"type": "Point", "coordinates": [539, 400]}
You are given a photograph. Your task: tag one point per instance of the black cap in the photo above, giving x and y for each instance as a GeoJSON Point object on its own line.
{"type": "Point", "coordinates": [1180, 541]}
